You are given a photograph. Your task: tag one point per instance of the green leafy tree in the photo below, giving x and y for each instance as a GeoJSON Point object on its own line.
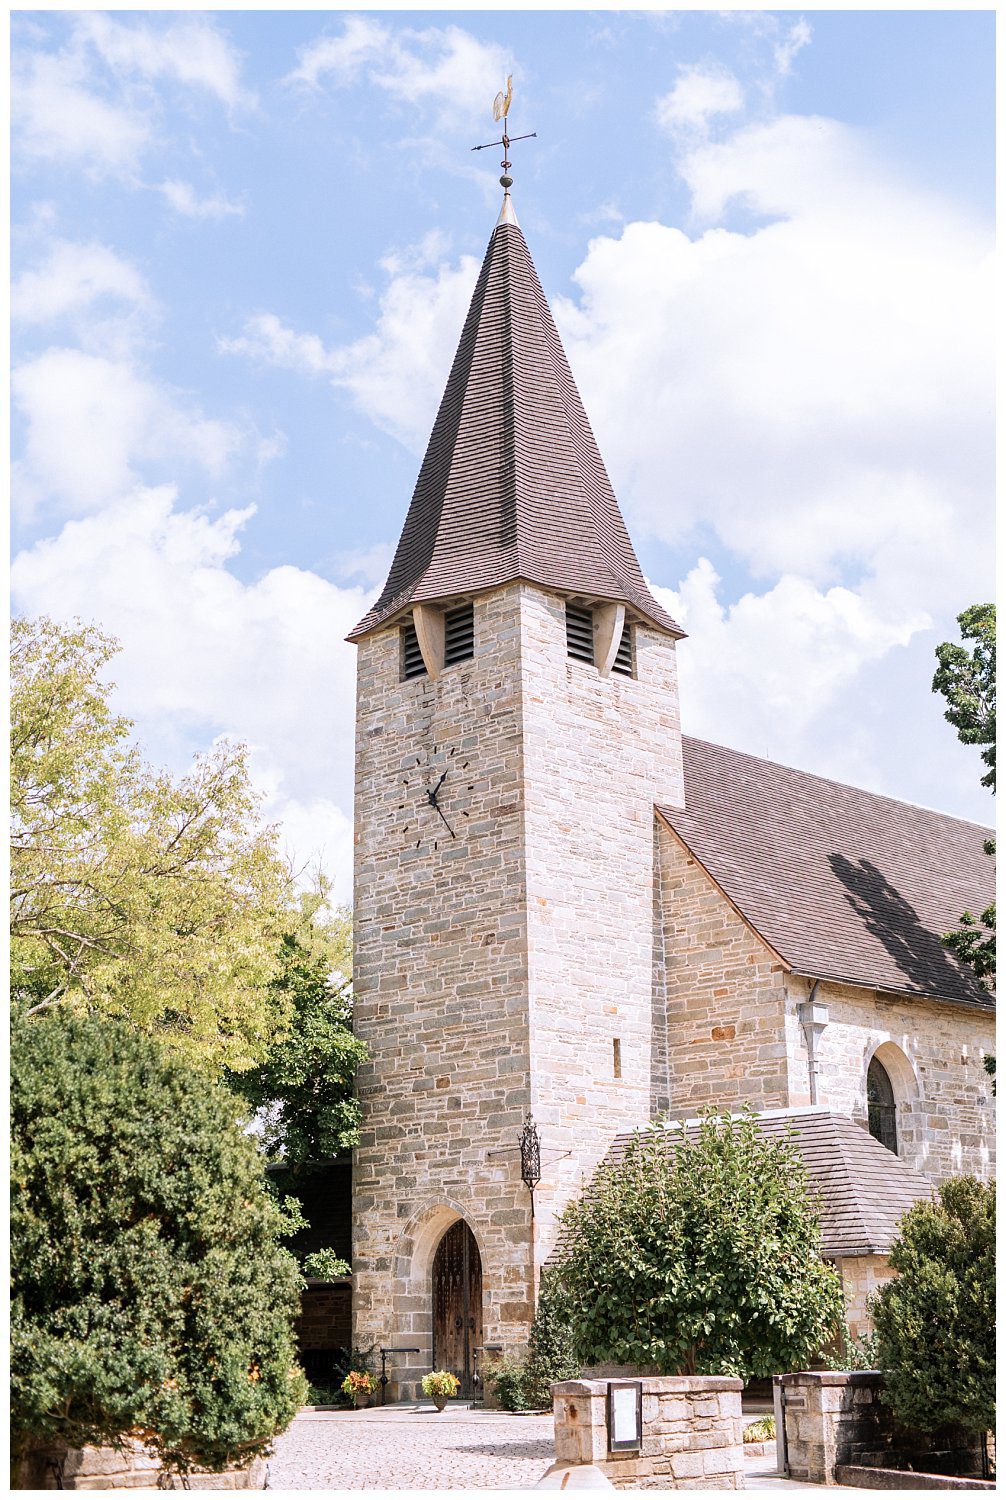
{"type": "Point", "coordinates": [701, 1255]}
{"type": "Point", "coordinates": [160, 901]}
{"type": "Point", "coordinates": [935, 1322]}
{"type": "Point", "coordinates": [967, 680]}
{"type": "Point", "coordinates": [151, 1296]}
{"type": "Point", "coordinates": [303, 1089]}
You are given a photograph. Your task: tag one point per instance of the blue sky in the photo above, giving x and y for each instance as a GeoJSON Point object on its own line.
{"type": "Point", "coordinates": [244, 244]}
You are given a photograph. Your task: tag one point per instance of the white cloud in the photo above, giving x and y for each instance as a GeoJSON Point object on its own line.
{"type": "Point", "coordinates": [74, 277]}
{"type": "Point", "coordinates": [442, 65]}
{"type": "Point", "coordinates": [702, 91]}
{"type": "Point", "coordinates": [797, 37]}
{"type": "Point", "coordinates": [397, 373]}
{"type": "Point", "coordinates": [183, 198]}
{"type": "Point", "coordinates": [191, 51]}
{"type": "Point", "coordinates": [93, 425]}
{"type": "Point", "coordinates": [816, 390]}
{"type": "Point", "coordinates": [205, 654]}
{"type": "Point", "coordinates": [57, 118]}
{"type": "Point", "coordinates": [767, 669]}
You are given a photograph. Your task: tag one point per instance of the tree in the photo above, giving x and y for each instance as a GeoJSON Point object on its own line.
{"type": "Point", "coordinates": [303, 1090]}
{"type": "Point", "coordinates": [967, 681]}
{"type": "Point", "coordinates": [152, 1298]}
{"type": "Point", "coordinates": [700, 1254]}
{"type": "Point", "coordinates": [134, 894]}
{"type": "Point", "coordinates": [935, 1322]}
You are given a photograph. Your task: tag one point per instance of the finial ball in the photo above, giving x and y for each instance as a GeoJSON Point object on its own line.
{"type": "Point", "coordinates": [506, 181]}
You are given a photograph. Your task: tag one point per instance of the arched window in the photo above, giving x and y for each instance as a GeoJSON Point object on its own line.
{"type": "Point", "coordinates": [880, 1106]}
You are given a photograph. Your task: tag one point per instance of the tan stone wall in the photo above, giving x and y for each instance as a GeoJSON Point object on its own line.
{"type": "Point", "coordinates": [692, 1433]}
{"type": "Point", "coordinates": [933, 1055]}
{"type": "Point", "coordinates": [862, 1277]}
{"type": "Point", "coordinates": [440, 980]}
{"type": "Point", "coordinates": [131, 1467]}
{"type": "Point", "coordinates": [723, 992]}
{"type": "Point", "coordinates": [493, 972]}
{"type": "Point", "coordinates": [599, 752]}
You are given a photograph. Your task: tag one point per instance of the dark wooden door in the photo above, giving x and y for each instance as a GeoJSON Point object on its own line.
{"type": "Point", "coordinates": [457, 1304]}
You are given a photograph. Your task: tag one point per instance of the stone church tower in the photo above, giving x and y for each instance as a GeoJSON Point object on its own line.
{"type": "Point", "coordinates": [517, 721]}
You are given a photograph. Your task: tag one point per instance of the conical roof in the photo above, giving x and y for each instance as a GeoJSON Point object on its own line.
{"type": "Point", "coordinates": [512, 485]}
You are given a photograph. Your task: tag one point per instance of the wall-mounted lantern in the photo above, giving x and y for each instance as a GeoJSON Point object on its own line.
{"type": "Point", "coordinates": [530, 1157]}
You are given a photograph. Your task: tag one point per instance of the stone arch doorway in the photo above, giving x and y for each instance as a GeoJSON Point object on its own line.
{"type": "Point", "coordinates": [457, 1304]}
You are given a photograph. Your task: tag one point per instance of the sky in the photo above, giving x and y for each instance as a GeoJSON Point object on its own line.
{"type": "Point", "coordinates": [244, 245]}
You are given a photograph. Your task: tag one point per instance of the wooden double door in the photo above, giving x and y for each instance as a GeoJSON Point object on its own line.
{"type": "Point", "coordinates": [457, 1305]}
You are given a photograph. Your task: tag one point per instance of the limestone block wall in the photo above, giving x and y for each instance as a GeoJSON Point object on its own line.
{"type": "Point", "coordinates": [933, 1055]}
{"type": "Point", "coordinates": [131, 1467]}
{"type": "Point", "coordinates": [722, 993]}
{"type": "Point", "coordinates": [692, 1433]}
{"type": "Point", "coordinates": [862, 1277]}
{"type": "Point", "coordinates": [440, 980]}
{"type": "Point", "coordinates": [598, 753]}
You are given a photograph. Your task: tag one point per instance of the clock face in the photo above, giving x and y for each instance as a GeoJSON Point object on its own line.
{"type": "Point", "coordinates": [435, 786]}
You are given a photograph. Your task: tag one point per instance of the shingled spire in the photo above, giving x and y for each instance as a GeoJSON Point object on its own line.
{"type": "Point", "coordinates": [512, 485]}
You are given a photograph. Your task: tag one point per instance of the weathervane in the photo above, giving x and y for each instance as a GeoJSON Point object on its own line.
{"type": "Point", "coordinates": [501, 108]}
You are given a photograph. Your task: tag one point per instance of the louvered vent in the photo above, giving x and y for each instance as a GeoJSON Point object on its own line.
{"type": "Point", "coordinates": [412, 658]}
{"type": "Point", "coordinates": [580, 632]}
{"type": "Point", "coordinates": [459, 634]}
{"type": "Point", "coordinates": [623, 656]}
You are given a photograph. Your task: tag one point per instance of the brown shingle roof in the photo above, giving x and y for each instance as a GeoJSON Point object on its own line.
{"type": "Point", "coordinates": [862, 1188]}
{"type": "Point", "coordinates": [512, 485]}
{"type": "Point", "coordinates": [844, 884]}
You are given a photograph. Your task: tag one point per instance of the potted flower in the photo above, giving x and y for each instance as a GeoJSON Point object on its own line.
{"type": "Point", "coordinates": [440, 1385]}
{"type": "Point", "coordinates": [360, 1386]}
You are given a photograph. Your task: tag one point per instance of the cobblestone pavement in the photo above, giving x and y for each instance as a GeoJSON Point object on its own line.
{"type": "Point", "coordinates": [411, 1447]}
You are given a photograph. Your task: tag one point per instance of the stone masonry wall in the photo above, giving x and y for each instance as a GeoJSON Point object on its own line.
{"type": "Point", "coordinates": [494, 972]}
{"type": "Point", "coordinates": [440, 983]}
{"type": "Point", "coordinates": [692, 1433]}
{"type": "Point", "coordinates": [862, 1277]}
{"type": "Point", "coordinates": [130, 1467]}
{"type": "Point", "coordinates": [598, 753]}
{"type": "Point", "coordinates": [722, 991]}
{"type": "Point", "coordinates": [933, 1055]}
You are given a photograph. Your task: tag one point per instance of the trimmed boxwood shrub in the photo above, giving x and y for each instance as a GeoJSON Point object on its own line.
{"type": "Point", "coordinates": [151, 1296]}
{"type": "Point", "coordinates": [935, 1322]}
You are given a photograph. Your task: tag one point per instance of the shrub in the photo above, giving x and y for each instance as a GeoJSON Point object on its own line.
{"type": "Point", "coordinates": [325, 1265]}
{"type": "Point", "coordinates": [151, 1296]}
{"type": "Point", "coordinates": [762, 1431]}
{"type": "Point", "coordinates": [509, 1380]}
{"type": "Point", "coordinates": [852, 1351]}
{"type": "Point", "coordinates": [935, 1321]}
{"type": "Point", "coordinates": [699, 1254]}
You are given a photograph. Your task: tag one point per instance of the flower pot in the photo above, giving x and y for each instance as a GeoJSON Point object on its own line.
{"type": "Point", "coordinates": [361, 1399]}
{"type": "Point", "coordinates": [440, 1402]}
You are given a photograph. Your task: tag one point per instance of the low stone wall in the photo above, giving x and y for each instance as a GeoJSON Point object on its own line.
{"type": "Point", "coordinates": [129, 1468]}
{"type": "Point", "coordinates": [691, 1433]}
{"type": "Point", "coordinates": [834, 1419]}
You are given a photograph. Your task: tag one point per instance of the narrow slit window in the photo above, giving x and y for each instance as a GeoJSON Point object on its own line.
{"type": "Point", "coordinates": [623, 656]}
{"type": "Point", "coordinates": [616, 1056]}
{"type": "Point", "coordinates": [580, 633]}
{"type": "Point", "coordinates": [412, 658]}
{"type": "Point", "coordinates": [459, 634]}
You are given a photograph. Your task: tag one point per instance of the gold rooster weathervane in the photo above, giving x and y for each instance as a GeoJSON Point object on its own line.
{"type": "Point", "coordinates": [501, 108]}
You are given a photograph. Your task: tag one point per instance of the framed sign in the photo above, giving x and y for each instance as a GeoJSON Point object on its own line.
{"type": "Point", "coordinates": [625, 1416]}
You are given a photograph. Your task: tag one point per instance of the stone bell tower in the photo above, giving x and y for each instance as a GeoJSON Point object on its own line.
{"type": "Point", "coordinates": [516, 721]}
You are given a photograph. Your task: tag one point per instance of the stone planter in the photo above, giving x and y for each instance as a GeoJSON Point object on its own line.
{"type": "Point", "coordinates": [439, 1402]}
{"type": "Point", "coordinates": [131, 1467]}
{"type": "Point", "coordinates": [361, 1399]}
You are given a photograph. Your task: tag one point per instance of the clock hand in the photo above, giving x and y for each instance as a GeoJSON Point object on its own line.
{"type": "Point", "coordinates": [450, 830]}
{"type": "Point", "coordinates": [439, 784]}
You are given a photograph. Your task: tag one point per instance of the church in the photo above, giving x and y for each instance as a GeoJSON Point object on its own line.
{"type": "Point", "coordinates": [569, 915]}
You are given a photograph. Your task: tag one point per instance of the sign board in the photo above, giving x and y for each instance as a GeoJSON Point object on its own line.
{"type": "Point", "coordinates": [625, 1416]}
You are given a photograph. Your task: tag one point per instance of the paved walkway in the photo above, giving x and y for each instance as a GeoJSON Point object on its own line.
{"type": "Point", "coordinates": [415, 1447]}
{"type": "Point", "coordinates": [411, 1447]}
